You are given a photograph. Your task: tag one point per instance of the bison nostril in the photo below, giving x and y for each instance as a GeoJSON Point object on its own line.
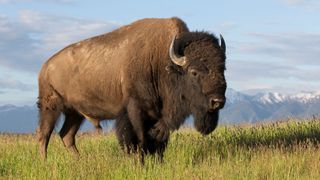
{"type": "Point", "coordinates": [216, 105]}
{"type": "Point", "coordinates": [212, 102]}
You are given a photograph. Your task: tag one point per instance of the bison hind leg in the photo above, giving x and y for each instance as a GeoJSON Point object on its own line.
{"type": "Point", "coordinates": [71, 125]}
{"type": "Point", "coordinates": [50, 106]}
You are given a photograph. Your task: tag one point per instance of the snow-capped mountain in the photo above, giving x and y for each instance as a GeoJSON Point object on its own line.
{"type": "Point", "coordinates": [234, 96]}
{"type": "Point", "coordinates": [269, 106]}
{"type": "Point", "coordinates": [306, 97]}
{"type": "Point", "coordinates": [270, 98]}
{"type": "Point", "coordinates": [302, 97]}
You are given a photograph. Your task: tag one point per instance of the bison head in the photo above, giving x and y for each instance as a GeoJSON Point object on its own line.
{"type": "Point", "coordinates": [200, 59]}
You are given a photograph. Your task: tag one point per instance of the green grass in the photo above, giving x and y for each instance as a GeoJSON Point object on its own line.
{"type": "Point", "coordinates": [286, 150]}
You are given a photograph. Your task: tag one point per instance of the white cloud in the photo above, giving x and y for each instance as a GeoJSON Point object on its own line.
{"type": "Point", "coordinates": [243, 70]}
{"type": "Point", "coordinates": [27, 42]}
{"type": "Point", "coordinates": [276, 61]}
{"type": "Point", "coordinates": [58, 31]}
{"type": "Point", "coordinates": [11, 83]}
{"type": "Point", "coordinates": [307, 4]}
{"type": "Point", "coordinates": [298, 49]}
{"type": "Point", "coordinates": [4, 24]}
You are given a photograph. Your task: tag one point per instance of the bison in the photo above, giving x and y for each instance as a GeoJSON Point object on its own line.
{"type": "Point", "coordinates": [149, 76]}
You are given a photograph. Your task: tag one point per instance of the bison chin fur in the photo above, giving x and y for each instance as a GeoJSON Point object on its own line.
{"type": "Point", "coordinates": [205, 123]}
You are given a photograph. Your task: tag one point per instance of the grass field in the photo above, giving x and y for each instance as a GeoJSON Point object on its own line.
{"type": "Point", "coordinates": [285, 150]}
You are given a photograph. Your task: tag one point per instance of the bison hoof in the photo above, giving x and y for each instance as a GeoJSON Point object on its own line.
{"type": "Point", "coordinates": [159, 132]}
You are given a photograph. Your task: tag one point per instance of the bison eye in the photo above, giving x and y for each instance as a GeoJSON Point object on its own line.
{"type": "Point", "coordinates": [194, 72]}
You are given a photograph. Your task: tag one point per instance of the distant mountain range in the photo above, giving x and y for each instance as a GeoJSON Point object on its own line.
{"type": "Point", "coordinates": [24, 119]}
{"type": "Point", "coordinates": [18, 119]}
{"type": "Point", "coordinates": [243, 108]}
{"type": "Point", "coordinates": [239, 108]}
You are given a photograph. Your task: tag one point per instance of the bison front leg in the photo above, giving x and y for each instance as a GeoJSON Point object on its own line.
{"type": "Point", "coordinates": [125, 134]}
{"type": "Point", "coordinates": [136, 114]}
{"type": "Point", "coordinates": [170, 121]}
{"type": "Point", "coordinates": [160, 131]}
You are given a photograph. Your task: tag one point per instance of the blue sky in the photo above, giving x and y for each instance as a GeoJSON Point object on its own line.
{"type": "Point", "coordinates": [272, 45]}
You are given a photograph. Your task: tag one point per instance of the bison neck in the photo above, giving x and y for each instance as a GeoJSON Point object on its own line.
{"type": "Point", "coordinates": [176, 108]}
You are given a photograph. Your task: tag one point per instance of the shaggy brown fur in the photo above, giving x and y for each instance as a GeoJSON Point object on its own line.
{"type": "Point", "coordinates": [127, 74]}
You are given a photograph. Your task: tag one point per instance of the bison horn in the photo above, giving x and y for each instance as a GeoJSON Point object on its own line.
{"type": "Point", "coordinates": [178, 60]}
{"type": "Point", "coordinates": [223, 44]}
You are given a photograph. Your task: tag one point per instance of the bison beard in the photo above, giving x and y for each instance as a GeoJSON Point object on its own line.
{"type": "Point", "coordinates": [207, 122]}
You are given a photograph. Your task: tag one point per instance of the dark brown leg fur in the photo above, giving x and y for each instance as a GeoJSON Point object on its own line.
{"type": "Point", "coordinates": [127, 138]}
{"type": "Point", "coordinates": [69, 129]}
{"type": "Point", "coordinates": [136, 117]}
